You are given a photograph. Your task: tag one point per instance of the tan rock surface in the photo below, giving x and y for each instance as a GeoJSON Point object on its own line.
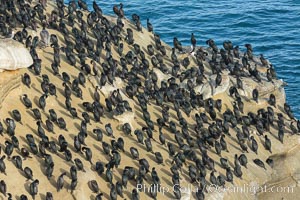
{"type": "Point", "coordinates": [286, 163]}
{"type": "Point", "coordinates": [9, 80]}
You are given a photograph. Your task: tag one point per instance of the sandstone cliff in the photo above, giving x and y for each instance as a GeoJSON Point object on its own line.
{"type": "Point", "coordinates": [285, 171]}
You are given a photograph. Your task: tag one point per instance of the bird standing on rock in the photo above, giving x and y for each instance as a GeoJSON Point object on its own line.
{"type": "Point", "coordinates": [255, 95]}
{"type": "Point", "coordinates": [17, 115]}
{"type": "Point", "coordinates": [272, 100]}
{"type": "Point", "coordinates": [254, 145]}
{"type": "Point", "coordinates": [88, 154]}
{"type": "Point", "coordinates": [134, 153]}
{"type": "Point", "coordinates": [268, 144]}
{"type": "Point", "coordinates": [26, 101]}
{"type": "Point", "coordinates": [2, 165]}
{"type": "Point", "coordinates": [218, 80]}
{"type": "Point", "coordinates": [259, 163]}
{"type": "Point", "coordinates": [193, 42]}
{"type": "Point", "coordinates": [86, 37]}
{"type": "Point", "coordinates": [177, 44]}
{"type": "Point", "coordinates": [60, 181]}
{"type": "Point", "coordinates": [42, 101]}
{"type": "Point", "coordinates": [109, 130]}
{"type": "Point", "coordinates": [3, 187]}
{"type": "Point", "coordinates": [45, 36]}
{"type": "Point", "coordinates": [26, 80]}
{"type": "Point", "coordinates": [33, 188]}
{"type": "Point", "coordinates": [149, 26]}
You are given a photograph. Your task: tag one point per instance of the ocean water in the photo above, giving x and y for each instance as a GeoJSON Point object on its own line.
{"type": "Point", "coordinates": [272, 27]}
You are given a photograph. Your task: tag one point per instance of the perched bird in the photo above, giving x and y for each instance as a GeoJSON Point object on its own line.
{"type": "Point", "coordinates": [255, 95]}
{"type": "Point", "coordinates": [94, 186]}
{"type": "Point", "coordinates": [259, 163]}
{"type": "Point", "coordinates": [268, 144]}
{"type": "Point", "coordinates": [134, 153]}
{"type": "Point", "coordinates": [33, 188]}
{"type": "Point", "coordinates": [2, 165]}
{"type": "Point", "coordinates": [254, 145]}
{"type": "Point", "coordinates": [26, 101]}
{"type": "Point", "coordinates": [3, 187]}
{"type": "Point", "coordinates": [193, 42]}
{"type": "Point", "coordinates": [17, 116]}
{"type": "Point", "coordinates": [218, 80]}
{"type": "Point", "coordinates": [149, 26]}
{"type": "Point", "coordinates": [60, 181]}
{"type": "Point", "coordinates": [109, 130]}
{"type": "Point", "coordinates": [45, 36]}
{"type": "Point", "coordinates": [26, 80]}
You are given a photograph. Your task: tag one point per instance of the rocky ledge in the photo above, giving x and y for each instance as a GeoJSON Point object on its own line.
{"type": "Point", "coordinates": [219, 94]}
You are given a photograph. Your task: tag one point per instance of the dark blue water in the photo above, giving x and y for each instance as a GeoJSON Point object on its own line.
{"type": "Point", "coordinates": [272, 27]}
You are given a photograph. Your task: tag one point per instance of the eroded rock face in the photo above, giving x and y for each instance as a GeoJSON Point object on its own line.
{"type": "Point", "coordinates": [253, 176]}
{"type": "Point", "coordinates": [209, 89]}
{"type": "Point", "coordinates": [161, 76]}
{"type": "Point", "coordinates": [9, 80]}
{"type": "Point", "coordinates": [13, 55]}
{"type": "Point", "coordinates": [264, 88]}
